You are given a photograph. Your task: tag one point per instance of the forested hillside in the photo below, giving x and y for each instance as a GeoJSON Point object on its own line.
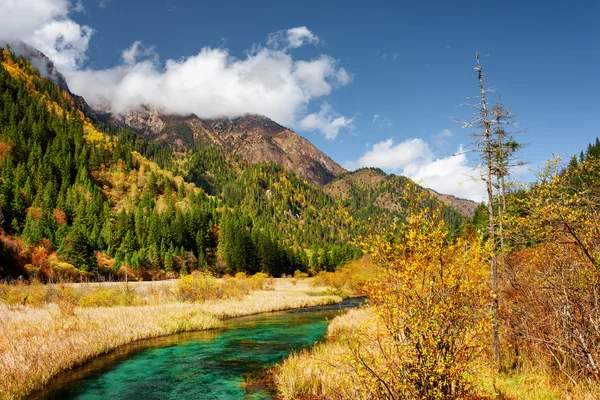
{"type": "Point", "coordinates": [84, 200]}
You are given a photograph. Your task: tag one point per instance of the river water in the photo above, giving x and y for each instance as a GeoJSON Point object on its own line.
{"type": "Point", "coordinates": [197, 365]}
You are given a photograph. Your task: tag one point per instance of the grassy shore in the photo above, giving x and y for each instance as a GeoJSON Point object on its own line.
{"type": "Point", "coordinates": [37, 342]}
{"type": "Point", "coordinates": [324, 372]}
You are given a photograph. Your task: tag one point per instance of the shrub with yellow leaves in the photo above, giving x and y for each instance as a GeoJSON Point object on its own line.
{"type": "Point", "coordinates": [431, 303]}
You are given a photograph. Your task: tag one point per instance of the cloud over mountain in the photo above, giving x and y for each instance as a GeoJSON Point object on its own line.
{"type": "Point", "coordinates": [268, 80]}
{"type": "Point", "coordinates": [414, 159]}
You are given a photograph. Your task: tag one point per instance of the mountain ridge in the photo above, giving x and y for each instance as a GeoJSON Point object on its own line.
{"type": "Point", "coordinates": [255, 138]}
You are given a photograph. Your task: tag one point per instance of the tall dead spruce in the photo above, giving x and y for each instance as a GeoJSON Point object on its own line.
{"type": "Point", "coordinates": [491, 144]}
{"type": "Point", "coordinates": [487, 151]}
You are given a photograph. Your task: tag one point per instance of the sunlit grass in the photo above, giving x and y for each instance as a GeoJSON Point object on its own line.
{"type": "Point", "coordinates": [322, 371]}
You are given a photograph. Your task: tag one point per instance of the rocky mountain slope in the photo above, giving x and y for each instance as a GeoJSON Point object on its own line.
{"type": "Point", "coordinates": [466, 207]}
{"type": "Point", "coordinates": [48, 70]}
{"type": "Point", "coordinates": [252, 137]}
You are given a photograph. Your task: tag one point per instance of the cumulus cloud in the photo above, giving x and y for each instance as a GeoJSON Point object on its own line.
{"type": "Point", "coordinates": [393, 157]}
{"type": "Point", "coordinates": [45, 25]}
{"type": "Point", "coordinates": [213, 83]}
{"type": "Point", "coordinates": [268, 80]}
{"type": "Point", "coordinates": [326, 121]}
{"type": "Point", "coordinates": [413, 158]}
{"type": "Point", "coordinates": [292, 38]}
{"type": "Point", "coordinates": [137, 51]}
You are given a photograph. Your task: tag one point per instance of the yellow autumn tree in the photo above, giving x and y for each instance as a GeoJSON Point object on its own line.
{"type": "Point", "coordinates": [432, 306]}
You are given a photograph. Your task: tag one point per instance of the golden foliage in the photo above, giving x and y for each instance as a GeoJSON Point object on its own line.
{"type": "Point", "coordinates": [349, 279]}
{"type": "Point", "coordinates": [430, 300]}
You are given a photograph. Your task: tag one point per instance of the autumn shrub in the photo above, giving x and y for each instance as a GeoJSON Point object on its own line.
{"type": "Point", "coordinates": [99, 296]}
{"type": "Point", "coordinates": [23, 293]}
{"type": "Point", "coordinates": [430, 300]}
{"type": "Point", "coordinates": [128, 273]}
{"type": "Point", "coordinates": [198, 286]}
{"type": "Point", "coordinates": [350, 278]}
{"type": "Point", "coordinates": [234, 287]}
{"type": "Point", "coordinates": [300, 275]}
{"type": "Point", "coordinates": [63, 272]}
{"type": "Point", "coordinates": [258, 281]}
{"type": "Point", "coordinates": [33, 272]}
{"type": "Point", "coordinates": [552, 282]}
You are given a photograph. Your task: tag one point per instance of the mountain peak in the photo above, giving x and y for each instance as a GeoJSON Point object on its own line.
{"type": "Point", "coordinates": [255, 138]}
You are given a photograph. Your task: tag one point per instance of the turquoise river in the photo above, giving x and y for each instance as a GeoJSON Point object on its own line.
{"type": "Point", "coordinates": [197, 365]}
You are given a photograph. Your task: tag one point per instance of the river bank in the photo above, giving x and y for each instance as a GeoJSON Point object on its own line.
{"type": "Point", "coordinates": [36, 343]}
{"type": "Point", "coordinates": [326, 370]}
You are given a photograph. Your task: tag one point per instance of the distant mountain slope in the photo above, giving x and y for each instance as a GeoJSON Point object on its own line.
{"type": "Point", "coordinates": [369, 193]}
{"type": "Point", "coordinates": [466, 207]}
{"type": "Point", "coordinates": [252, 137]}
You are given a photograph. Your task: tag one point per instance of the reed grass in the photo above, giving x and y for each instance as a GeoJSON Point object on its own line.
{"type": "Point", "coordinates": [322, 372]}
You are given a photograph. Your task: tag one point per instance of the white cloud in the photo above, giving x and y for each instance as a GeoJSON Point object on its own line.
{"type": "Point", "coordinates": [292, 38]}
{"type": "Point", "coordinates": [450, 175]}
{"type": "Point", "coordinates": [414, 159]}
{"type": "Point", "coordinates": [78, 7]}
{"type": "Point", "coordinates": [317, 76]}
{"type": "Point", "coordinates": [45, 24]}
{"type": "Point", "coordinates": [326, 121]}
{"type": "Point", "coordinates": [20, 18]}
{"type": "Point", "coordinates": [392, 157]}
{"type": "Point", "coordinates": [212, 83]}
{"type": "Point", "coordinates": [444, 133]}
{"type": "Point", "coordinates": [137, 50]}
{"type": "Point", "coordinates": [65, 42]}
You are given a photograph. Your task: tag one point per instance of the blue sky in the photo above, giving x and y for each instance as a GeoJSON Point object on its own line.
{"type": "Point", "coordinates": [370, 83]}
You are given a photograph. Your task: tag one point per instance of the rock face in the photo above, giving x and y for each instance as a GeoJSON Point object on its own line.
{"type": "Point", "coordinates": [252, 137]}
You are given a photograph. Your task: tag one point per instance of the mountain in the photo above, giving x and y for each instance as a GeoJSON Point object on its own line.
{"type": "Point", "coordinates": [370, 193]}
{"type": "Point", "coordinates": [258, 139]}
{"type": "Point", "coordinates": [464, 206]}
{"type": "Point", "coordinates": [254, 138]}
{"type": "Point", "coordinates": [97, 199]}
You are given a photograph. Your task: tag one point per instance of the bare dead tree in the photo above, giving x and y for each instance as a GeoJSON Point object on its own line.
{"type": "Point", "coordinates": [497, 149]}
{"type": "Point", "coordinates": [486, 148]}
